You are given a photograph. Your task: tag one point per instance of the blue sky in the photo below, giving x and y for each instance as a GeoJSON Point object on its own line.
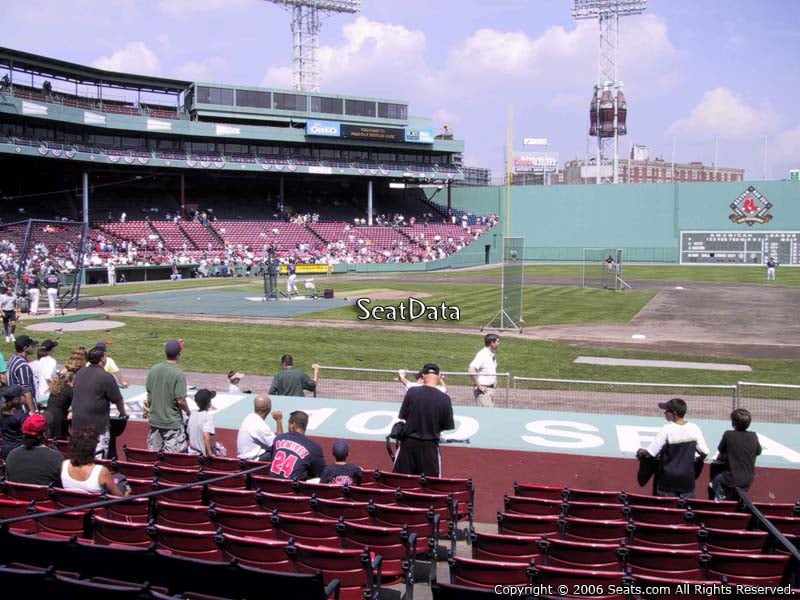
{"type": "Point", "coordinates": [693, 71]}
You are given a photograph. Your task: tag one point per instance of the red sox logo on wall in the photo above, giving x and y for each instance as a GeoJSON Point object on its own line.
{"type": "Point", "coordinates": [750, 207]}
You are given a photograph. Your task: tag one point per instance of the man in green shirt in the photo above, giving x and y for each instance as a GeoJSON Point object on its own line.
{"type": "Point", "coordinates": [166, 398]}
{"type": "Point", "coordinates": [291, 381]}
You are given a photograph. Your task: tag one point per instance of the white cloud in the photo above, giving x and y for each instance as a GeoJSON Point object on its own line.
{"type": "Point", "coordinates": [783, 151]}
{"type": "Point", "coordinates": [182, 7]}
{"type": "Point", "coordinates": [375, 58]}
{"type": "Point", "coordinates": [278, 77]}
{"type": "Point", "coordinates": [204, 70]}
{"type": "Point", "coordinates": [136, 57]}
{"type": "Point", "coordinates": [723, 113]}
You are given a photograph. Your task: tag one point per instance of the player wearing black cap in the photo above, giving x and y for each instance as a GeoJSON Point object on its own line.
{"type": "Point", "coordinates": [427, 412]}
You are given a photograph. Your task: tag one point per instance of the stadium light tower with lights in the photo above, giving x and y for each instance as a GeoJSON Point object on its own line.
{"type": "Point", "coordinates": [306, 25]}
{"type": "Point", "coordinates": [608, 112]}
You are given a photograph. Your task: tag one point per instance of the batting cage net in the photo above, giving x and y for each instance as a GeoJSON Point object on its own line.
{"type": "Point", "coordinates": [512, 280]}
{"type": "Point", "coordinates": [602, 268]}
{"type": "Point", "coordinates": [39, 248]}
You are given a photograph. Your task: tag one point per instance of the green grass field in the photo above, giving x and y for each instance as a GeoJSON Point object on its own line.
{"type": "Point", "coordinates": [216, 347]}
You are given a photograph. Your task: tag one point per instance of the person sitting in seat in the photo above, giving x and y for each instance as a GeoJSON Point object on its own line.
{"type": "Point", "coordinates": [33, 462]}
{"type": "Point", "coordinates": [80, 472]}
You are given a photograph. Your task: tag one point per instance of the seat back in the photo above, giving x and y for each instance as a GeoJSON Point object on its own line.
{"type": "Point", "coordinates": [750, 569]}
{"type": "Point", "coordinates": [271, 485]}
{"type": "Point", "coordinates": [357, 493]}
{"type": "Point", "coordinates": [669, 536]}
{"type": "Point", "coordinates": [298, 505]}
{"type": "Point", "coordinates": [187, 542]}
{"type": "Point", "coordinates": [733, 540]}
{"type": "Point", "coordinates": [533, 490]}
{"type": "Point", "coordinates": [28, 491]}
{"type": "Point", "coordinates": [506, 547]}
{"type": "Point", "coordinates": [320, 490]}
{"type": "Point", "coordinates": [488, 574]}
{"type": "Point", "coordinates": [10, 508]}
{"type": "Point", "coordinates": [392, 481]}
{"type": "Point", "coordinates": [595, 510]}
{"type": "Point", "coordinates": [140, 455]}
{"type": "Point", "coordinates": [648, 500]}
{"type": "Point", "coordinates": [176, 475]}
{"type": "Point", "coordinates": [228, 498]}
{"type": "Point", "coordinates": [517, 524]}
{"type": "Point", "coordinates": [70, 498]}
{"type": "Point", "coordinates": [532, 506]}
{"type": "Point", "coordinates": [588, 555]}
{"type": "Point", "coordinates": [676, 562]}
{"type": "Point", "coordinates": [222, 463]}
{"type": "Point", "coordinates": [234, 482]}
{"type": "Point", "coordinates": [599, 582]}
{"type": "Point", "coordinates": [67, 524]}
{"type": "Point", "coordinates": [306, 530]}
{"type": "Point", "coordinates": [585, 495]}
{"type": "Point", "coordinates": [351, 567]}
{"type": "Point", "coordinates": [132, 469]}
{"type": "Point", "coordinates": [256, 552]}
{"type": "Point", "coordinates": [720, 520]}
{"type": "Point", "coordinates": [596, 531]}
{"type": "Point", "coordinates": [658, 514]}
{"type": "Point", "coordinates": [352, 512]}
{"type": "Point", "coordinates": [182, 515]}
{"type": "Point", "coordinates": [110, 531]}
{"type": "Point", "coordinates": [180, 459]}
{"type": "Point", "coordinates": [242, 522]}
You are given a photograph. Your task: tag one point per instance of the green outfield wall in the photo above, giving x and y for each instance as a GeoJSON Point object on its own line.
{"type": "Point", "coordinates": [645, 220]}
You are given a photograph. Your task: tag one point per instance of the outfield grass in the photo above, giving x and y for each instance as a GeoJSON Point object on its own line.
{"type": "Point", "coordinates": [710, 274]}
{"type": "Point", "coordinates": [256, 349]}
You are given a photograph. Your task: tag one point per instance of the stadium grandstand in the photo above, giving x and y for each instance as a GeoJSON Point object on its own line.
{"type": "Point", "coordinates": [178, 172]}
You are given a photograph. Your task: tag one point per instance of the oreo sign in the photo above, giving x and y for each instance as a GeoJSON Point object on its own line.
{"type": "Point", "coordinates": [323, 128]}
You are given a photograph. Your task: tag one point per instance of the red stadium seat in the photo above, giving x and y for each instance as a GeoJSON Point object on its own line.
{"type": "Point", "coordinates": [590, 530]}
{"type": "Point", "coordinates": [488, 574]}
{"type": "Point", "coordinates": [587, 555]}
{"type": "Point", "coordinates": [365, 494]}
{"type": "Point", "coordinates": [306, 530]}
{"type": "Point", "coordinates": [187, 542]}
{"type": "Point", "coordinates": [596, 583]}
{"type": "Point", "coordinates": [506, 547]}
{"type": "Point", "coordinates": [256, 552]}
{"type": "Point", "coordinates": [749, 569]}
{"type": "Point", "coordinates": [532, 506]}
{"type": "Point", "coordinates": [228, 498]}
{"type": "Point", "coordinates": [249, 523]}
{"type": "Point", "coordinates": [394, 544]}
{"type": "Point", "coordinates": [669, 536]}
{"type": "Point", "coordinates": [516, 524]}
{"type": "Point", "coordinates": [284, 503]}
{"type": "Point", "coordinates": [531, 490]}
{"type": "Point", "coordinates": [355, 569]}
{"type": "Point", "coordinates": [733, 540]}
{"type": "Point", "coordinates": [182, 515]}
{"type": "Point", "coordinates": [110, 531]}
{"type": "Point", "coordinates": [664, 561]}
{"type": "Point", "coordinates": [352, 512]}
{"type": "Point", "coordinates": [140, 455]}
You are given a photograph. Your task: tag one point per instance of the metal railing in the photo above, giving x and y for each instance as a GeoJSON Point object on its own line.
{"type": "Point", "coordinates": [770, 402]}
{"type": "Point", "coordinates": [621, 397]}
{"type": "Point", "coordinates": [383, 385]}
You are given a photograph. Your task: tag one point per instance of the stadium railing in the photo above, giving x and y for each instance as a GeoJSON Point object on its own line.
{"type": "Point", "coordinates": [384, 385]}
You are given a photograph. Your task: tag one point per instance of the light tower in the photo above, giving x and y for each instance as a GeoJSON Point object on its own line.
{"type": "Point", "coordinates": [306, 26]}
{"type": "Point", "coordinates": [608, 111]}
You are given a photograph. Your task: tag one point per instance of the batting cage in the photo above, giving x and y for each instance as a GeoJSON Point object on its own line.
{"type": "Point", "coordinates": [602, 268]}
{"type": "Point", "coordinates": [41, 248]}
{"type": "Point", "coordinates": [511, 283]}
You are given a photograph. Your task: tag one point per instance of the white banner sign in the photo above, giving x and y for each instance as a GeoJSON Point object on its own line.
{"type": "Point", "coordinates": [154, 125]}
{"type": "Point", "coordinates": [534, 141]}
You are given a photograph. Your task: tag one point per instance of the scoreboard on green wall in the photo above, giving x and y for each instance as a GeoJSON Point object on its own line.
{"type": "Point", "coordinates": [740, 247]}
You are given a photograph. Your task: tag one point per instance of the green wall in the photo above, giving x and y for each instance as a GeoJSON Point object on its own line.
{"type": "Point", "coordinates": [645, 220]}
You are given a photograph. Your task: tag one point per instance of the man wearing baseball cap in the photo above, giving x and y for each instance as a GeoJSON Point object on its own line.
{"type": "Point", "coordinates": [94, 391]}
{"type": "Point", "coordinates": [427, 412]}
{"type": "Point", "coordinates": [675, 447]}
{"type": "Point", "coordinates": [20, 372]}
{"type": "Point", "coordinates": [33, 462]}
{"type": "Point", "coordinates": [166, 399]}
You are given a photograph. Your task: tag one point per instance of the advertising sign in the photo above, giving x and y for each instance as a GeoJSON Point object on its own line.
{"type": "Point", "coordinates": [419, 136]}
{"type": "Point", "coordinates": [531, 141]}
{"type": "Point", "coordinates": [323, 128]}
{"type": "Point", "coordinates": [368, 132]}
{"type": "Point", "coordinates": [535, 162]}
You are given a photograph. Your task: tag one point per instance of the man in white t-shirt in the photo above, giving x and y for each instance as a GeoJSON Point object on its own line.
{"type": "Point", "coordinates": [111, 365]}
{"type": "Point", "coordinates": [45, 369]}
{"type": "Point", "coordinates": [678, 446]}
{"type": "Point", "coordinates": [483, 369]}
{"type": "Point", "coordinates": [255, 438]}
{"type": "Point", "coordinates": [200, 428]}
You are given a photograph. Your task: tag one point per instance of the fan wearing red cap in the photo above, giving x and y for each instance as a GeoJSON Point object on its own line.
{"type": "Point", "coordinates": [32, 462]}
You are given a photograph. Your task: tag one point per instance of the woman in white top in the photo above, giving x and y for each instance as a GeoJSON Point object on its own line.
{"type": "Point", "coordinates": [80, 472]}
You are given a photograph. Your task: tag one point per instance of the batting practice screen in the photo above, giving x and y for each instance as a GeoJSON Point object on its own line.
{"type": "Point", "coordinates": [513, 280]}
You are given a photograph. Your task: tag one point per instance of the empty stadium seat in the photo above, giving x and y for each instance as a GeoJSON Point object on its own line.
{"type": "Point", "coordinates": [506, 547]}
{"type": "Point", "coordinates": [488, 573]}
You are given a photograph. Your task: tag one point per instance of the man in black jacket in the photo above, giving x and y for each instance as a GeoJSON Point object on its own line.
{"type": "Point", "coordinates": [427, 412]}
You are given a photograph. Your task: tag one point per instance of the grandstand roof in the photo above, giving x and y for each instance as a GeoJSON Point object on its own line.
{"type": "Point", "coordinates": [68, 71]}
